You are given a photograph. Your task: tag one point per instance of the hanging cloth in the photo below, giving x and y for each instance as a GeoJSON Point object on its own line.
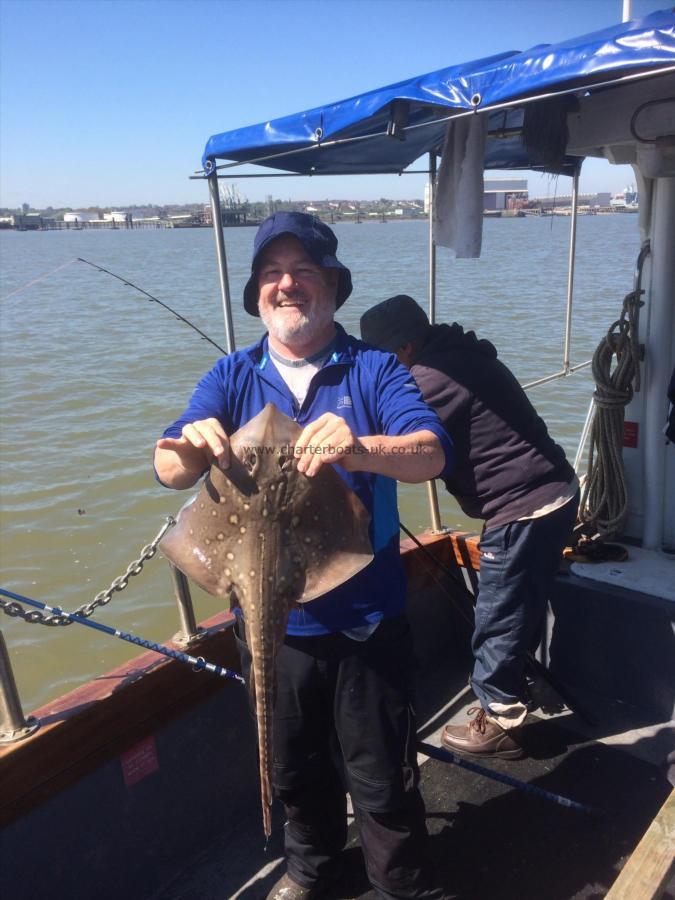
{"type": "Point", "coordinates": [458, 207]}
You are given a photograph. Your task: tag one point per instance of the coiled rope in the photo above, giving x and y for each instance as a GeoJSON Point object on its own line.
{"type": "Point", "coordinates": [604, 501]}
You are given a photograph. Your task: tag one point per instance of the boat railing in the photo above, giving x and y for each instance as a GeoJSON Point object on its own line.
{"type": "Point", "coordinates": [14, 726]}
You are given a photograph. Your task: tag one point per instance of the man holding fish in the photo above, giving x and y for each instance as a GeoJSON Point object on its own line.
{"type": "Point", "coordinates": [343, 706]}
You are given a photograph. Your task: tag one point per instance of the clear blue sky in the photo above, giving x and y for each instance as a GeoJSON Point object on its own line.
{"type": "Point", "coordinates": [110, 102]}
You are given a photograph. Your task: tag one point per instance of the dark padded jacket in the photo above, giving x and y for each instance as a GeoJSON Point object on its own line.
{"type": "Point", "coordinates": [506, 464]}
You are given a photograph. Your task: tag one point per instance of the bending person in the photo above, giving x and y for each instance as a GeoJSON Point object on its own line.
{"type": "Point", "coordinates": [509, 472]}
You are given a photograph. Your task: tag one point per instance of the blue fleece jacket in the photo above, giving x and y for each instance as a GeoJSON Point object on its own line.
{"type": "Point", "coordinates": [375, 395]}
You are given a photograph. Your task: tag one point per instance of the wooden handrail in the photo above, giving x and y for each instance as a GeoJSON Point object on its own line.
{"type": "Point", "coordinates": [645, 875]}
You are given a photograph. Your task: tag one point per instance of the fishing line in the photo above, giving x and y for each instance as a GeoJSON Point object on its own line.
{"type": "Point", "coordinates": [124, 281]}
{"type": "Point", "coordinates": [38, 279]}
{"type": "Point", "coordinates": [197, 662]}
{"type": "Point", "coordinates": [154, 300]}
{"type": "Point", "coordinates": [464, 591]}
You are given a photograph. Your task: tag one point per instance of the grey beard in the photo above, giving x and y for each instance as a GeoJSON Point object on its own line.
{"type": "Point", "coordinates": [303, 331]}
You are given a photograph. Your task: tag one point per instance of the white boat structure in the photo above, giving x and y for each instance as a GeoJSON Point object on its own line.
{"type": "Point", "coordinates": [626, 200]}
{"type": "Point", "coordinates": [143, 783]}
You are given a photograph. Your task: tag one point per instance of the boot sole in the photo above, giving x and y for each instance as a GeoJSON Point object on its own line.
{"type": "Point", "coordinates": [517, 753]}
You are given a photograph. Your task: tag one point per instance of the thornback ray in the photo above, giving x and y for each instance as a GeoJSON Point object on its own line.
{"type": "Point", "coordinates": [275, 538]}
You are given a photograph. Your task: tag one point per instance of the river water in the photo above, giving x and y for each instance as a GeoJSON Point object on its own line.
{"type": "Point", "coordinates": [92, 372]}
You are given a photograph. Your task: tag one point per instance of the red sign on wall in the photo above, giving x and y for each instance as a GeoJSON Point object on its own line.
{"type": "Point", "coordinates": [630, 434]}
{"type": "Point", "coordinates": [140, 761]}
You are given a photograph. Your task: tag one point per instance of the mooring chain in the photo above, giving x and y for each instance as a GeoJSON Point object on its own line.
{"type": "Point", "coordinates": [15, 610]}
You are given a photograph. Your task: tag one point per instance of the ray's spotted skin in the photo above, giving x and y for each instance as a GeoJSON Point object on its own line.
{"type": "Point", "coordinates": [275, 537]}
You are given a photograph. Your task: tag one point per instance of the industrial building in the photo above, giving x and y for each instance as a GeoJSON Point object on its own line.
{"type": "Point", "coordinates": [504, 193]}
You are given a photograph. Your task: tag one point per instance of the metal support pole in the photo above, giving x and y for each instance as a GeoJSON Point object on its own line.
{"type": "Point", "coordinates": [216, 217]}
{"type": "Point", "coordinates": [432, 245]}
{"type": "Point", "coordinates": [434, 509]}
{"type": "Point", "coordinates": [13, 725]}
{"type": "Point", "coordinates": [590, 415]}
{"type": "Point", "coordinates": [432, 494]}
{"type": "Point", "coordinates": [189, 631]}
{"type": "Point", "coordinates": [570, 271]}
{"type": "Point", "coordinates": [659, 345]}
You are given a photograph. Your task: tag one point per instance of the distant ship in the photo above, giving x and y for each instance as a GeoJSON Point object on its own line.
{"type": "Point", "coordinates": [628, 199]}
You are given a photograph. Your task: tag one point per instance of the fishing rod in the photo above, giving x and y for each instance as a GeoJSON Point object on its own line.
{"type": "Point", "coordinates": [537, 667]}
{"type": "Point", "coordinates": [443, 755]}
{"type": "Point", "coordinates": [124, 281]}
{"type": "Point", "coordinates": [154, 300]}
{"type": "Point", "coordinates": [197, 662]}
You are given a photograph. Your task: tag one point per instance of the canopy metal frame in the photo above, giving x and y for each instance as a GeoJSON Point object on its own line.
{"type": "Point", "coordinates": [458, 113]}
{"type": "Point", "coordinates": [217, 171]}
{"type": "Point", "coordinates": [566, 370]}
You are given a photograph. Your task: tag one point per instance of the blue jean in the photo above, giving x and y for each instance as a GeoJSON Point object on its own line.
{"type": "Point", "coordinates": [518, 563]}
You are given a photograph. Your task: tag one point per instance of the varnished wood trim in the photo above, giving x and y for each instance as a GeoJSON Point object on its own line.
{"type": "Point", "coordinates": [455, 548]}
{"type": "Point", "coordinates": [460, 545]}
{"type": "Point", "coordinates": [645, 875]}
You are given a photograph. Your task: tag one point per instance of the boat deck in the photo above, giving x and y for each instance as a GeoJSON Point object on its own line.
{"type": "Point", "coordinates": [150, 771]}
{"type": "Point", "coordinates": [489, 840]}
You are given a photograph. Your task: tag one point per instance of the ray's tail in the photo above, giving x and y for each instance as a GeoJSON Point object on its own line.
{"type": "Point", "coordinates": [263, 687]}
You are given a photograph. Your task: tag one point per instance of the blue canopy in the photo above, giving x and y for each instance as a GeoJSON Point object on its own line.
{"type": "Point", "coordinates": [389, 128]}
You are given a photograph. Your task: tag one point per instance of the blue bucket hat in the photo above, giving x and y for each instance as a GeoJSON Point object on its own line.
{"type": "Point", "coordinates": [317, 239]}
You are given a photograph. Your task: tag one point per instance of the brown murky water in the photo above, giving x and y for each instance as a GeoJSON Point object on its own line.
{"type": "Point", "coordinates": [91, 373]}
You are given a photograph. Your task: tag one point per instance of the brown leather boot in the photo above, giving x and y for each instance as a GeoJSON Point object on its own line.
{"type": "Point", "coordinates": [481, 737]}
{"type": "Point", "coordinates": [287, 889]}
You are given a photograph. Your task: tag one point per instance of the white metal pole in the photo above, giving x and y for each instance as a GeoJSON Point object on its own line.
{"type": "Point", "coordinates": [216, 217]}
{"type": "Point", "coordinates": [570, 271]}
{"type": "Point", "coordinates": [434, 510]}
{"type": "Point", "coordinates": [658, 359]}
{"type": "Point", "coordinates": [432, 245]}
{"type": "Point", "coordinates": [584, 435]}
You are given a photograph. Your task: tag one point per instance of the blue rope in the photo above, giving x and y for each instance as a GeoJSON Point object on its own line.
{"type": "Point", "coordinates": [197, 662]}
{"type": "Point", "coordinates": [448, 757]}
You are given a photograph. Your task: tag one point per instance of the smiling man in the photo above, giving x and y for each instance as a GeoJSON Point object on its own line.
{"type": "Point", "coordinates": [343, 705]}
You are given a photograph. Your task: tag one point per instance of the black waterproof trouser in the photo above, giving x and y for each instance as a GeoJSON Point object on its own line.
{"type": "Point", "coordinates": [343, 713]}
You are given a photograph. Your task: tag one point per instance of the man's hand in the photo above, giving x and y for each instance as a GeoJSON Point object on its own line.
{"type": "Point", "coordinates": [180, 461]}
{"type": "Point", "coordinates": [411, 457]}
{"type": "Point", "coordinates": [328, 440]}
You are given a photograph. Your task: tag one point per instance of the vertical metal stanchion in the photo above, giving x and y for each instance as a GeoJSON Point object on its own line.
{"type": "Point", "coordinates": [432, 245]}
{"type": "Point", "coordinates": [189, 630]}
{"type": "Point", "coordinates": [659, 362]}
{"type": "Point", "coordinates": [13, 725]}
{"type": "Point", "coordinates": [216, 216]}
{"type": "Point", "coordinates": [434, 509]}
{"type": "Point", "coordinates": [189, 626]}
{"type": "Point", "coordinates": [570, 272]}
{"type": "Point", "coordinates": [584, 435]}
